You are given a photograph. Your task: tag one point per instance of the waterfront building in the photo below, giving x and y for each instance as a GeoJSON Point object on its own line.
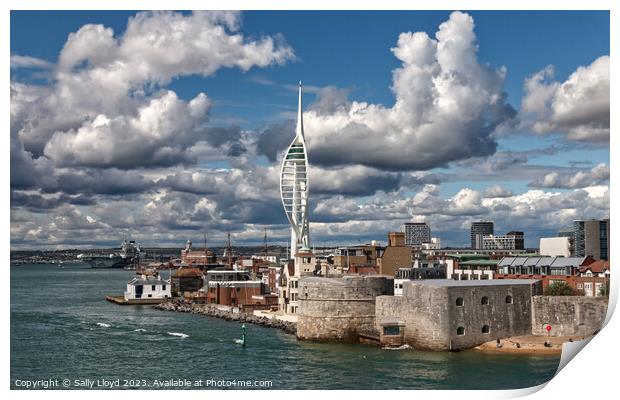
{"type": "Point", "coordinates": [593, 278]}
{"type": "Point", "coordinates": [548, 269]}
{"type": "Point", "coordinates": [513, 240]}
{"type": "Point", "coordinates": [287, 275]}
{"type": "Point", "coordinates": [555, 246]}
{"type": "Point", "coordinates": [396, 255]}
{"type": "Point", "coordinates": [186, 280]}
{"type": "Point", "coordinates": [478, 230]}
{"type": "Point", "coordinates": [147, 287]}
{"type": "Point", "coordinates": [235, 289]}
{"type": "Point", "coordinates": [271, 278]}
{"type": "Point", "coordinates": [416, 233]}
{"type": "Point", "coordinates": [294, 189]}
{"type": "Point", "coordinates": [591, 238]}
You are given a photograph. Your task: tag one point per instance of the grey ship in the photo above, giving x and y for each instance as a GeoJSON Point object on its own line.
{"type": "Point", "coordinates": [128, 257]}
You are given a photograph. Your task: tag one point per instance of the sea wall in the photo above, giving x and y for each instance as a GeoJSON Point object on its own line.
{"type": "Point", "coordinates": [445, 317]}
{"type": "Point", "coordinates": [568, 315]}
{"type": "Point", "coordinates": [227, 313]}
{"type": "Point", "coordinates": [337, 309]}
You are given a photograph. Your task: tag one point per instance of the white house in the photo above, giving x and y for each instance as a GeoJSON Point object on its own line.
{"type": "Point", "coordinates": [148, 287]}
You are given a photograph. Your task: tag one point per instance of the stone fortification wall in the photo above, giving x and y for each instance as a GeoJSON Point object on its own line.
{"type": "Point", "coordinates": [336, 309]}
{"type": "Point", "coordinates": [568, 315]}
{"type": "Point", "coordinates": [423, 310]}
{"type": "Point", "coordinates": [508, 313]}
{"type": "Point", "coordinates": [453, 317]}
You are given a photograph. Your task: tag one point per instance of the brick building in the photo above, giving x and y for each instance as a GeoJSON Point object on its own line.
{"type": "Point", "coordinates": [232, 288]}
{"type": "Point", "coordinates": [574, 271]}
{"type": "Point", "coordinates": [395, 256]}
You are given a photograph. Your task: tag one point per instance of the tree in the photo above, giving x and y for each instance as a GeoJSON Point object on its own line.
{"type": "Point", "coordinates": [604, 289]}
{"type": "Point", "coordinates": [560, 289]}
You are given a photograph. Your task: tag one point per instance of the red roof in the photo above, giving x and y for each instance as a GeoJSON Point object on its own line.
{"type": "Point", "coordinates": [597, 267]}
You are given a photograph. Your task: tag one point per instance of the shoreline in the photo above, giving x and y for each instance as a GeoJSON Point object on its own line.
{"type": "Point", "coordinates": [211, 311]}
{"type": "Point", "coordinates": [531, 345]}
{"type": "Point", "coordinates": [526, 345]}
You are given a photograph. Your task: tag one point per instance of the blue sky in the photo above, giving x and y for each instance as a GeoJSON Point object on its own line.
{"type": "Point", "coordinates": [349, 52]}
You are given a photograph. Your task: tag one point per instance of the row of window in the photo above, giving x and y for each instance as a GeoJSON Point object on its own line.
{"type": "Point", "coordinates": [153, 287]}
{"type": "Point", "coordinates": [484, 300]}
{"type": "Point", "coordinates": [461, 330]}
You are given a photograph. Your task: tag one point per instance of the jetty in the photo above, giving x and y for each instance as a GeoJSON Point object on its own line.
{"type": "Point", "coordinates": [126, 302]}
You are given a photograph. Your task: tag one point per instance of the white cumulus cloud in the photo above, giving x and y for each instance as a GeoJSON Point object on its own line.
{"type": "Point", "coordinates": [447, 106]}
{"type": "Point", "coordinates": [578, 107]}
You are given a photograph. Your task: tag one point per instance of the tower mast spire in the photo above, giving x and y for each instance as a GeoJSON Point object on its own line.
{"type": "Point", "coordinates": [299, 131]}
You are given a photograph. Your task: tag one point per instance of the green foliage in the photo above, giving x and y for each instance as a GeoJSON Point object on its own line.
{"type": "Point", "coordinates": [560, 289]}
{"type": "Point", "coordinates": [605, 290]}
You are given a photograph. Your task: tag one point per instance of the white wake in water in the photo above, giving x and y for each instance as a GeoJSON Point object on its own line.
{"type": "Point", "coordinates": [181, 335]}
{"type": "Point", "coordinates": [139, 330]}
{"type": "Point", "coordinates": [403, 347]}
{"type": "Point", "coordinates": [104, 325]}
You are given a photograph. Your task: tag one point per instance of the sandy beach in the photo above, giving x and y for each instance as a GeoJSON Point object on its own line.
{"type": "Point", "coordinates": [528, 344]}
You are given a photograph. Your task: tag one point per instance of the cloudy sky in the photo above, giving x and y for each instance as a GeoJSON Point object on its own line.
{"type": "Point", "coordinates": [160, 126]}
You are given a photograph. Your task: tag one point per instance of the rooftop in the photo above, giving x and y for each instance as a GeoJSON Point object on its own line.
{"type": "Point", "coordinates": [480, 262]}
{"type": "Point", "coordinates": [542, 261]}
{"type": "Point", "coordinates": [472, 283]}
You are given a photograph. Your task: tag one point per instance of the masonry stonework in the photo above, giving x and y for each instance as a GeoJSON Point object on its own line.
{"type": "Point", "coordinates": [568, 315]}
{"type": "Point", "coordinates": [444, 315]}
{"type": "Point", "coordinates": [338, 309]}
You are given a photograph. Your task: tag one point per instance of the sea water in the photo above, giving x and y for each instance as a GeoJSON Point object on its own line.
{"type": "Point", "coordinates": [64, 331]}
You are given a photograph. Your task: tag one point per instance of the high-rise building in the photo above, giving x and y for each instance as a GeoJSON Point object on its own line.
{"type": "Point", "coordinates": [416, 233]}
{"type": "Point", "coordinates": [479, 229]}
{"type": "Point", "coordinates": [294, 187]}
{"type": "Point", "coordinates": [513, 240]}
{"type": "Point", "coordinates": [592, 238]}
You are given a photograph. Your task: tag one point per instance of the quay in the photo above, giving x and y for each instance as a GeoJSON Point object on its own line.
{"type": "Point", "coordinates": [124, 302]}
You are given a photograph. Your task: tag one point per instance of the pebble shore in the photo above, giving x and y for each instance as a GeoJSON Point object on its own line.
{"type": "Point", "coordinates": [211, 311]}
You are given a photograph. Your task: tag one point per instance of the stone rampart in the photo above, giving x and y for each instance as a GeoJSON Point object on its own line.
{"type": "Point", "coordinates": [568, 315]}
{"type": "Point", "coordinates": [336, 309]}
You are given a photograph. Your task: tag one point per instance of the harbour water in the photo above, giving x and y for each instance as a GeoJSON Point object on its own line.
{"type": "Point", "coordinates": [62, 328]}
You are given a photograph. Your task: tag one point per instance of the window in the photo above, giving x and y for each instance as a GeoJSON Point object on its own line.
{"type": "Point", "coordinates": [163, 287]}
{"type": "Point", "coordinates": [459, 301]}
{"type": "Point", "coordinates": [391, 330]}
{"type": "Point", "coordinates": [152, 288]}
{"type": "Point", "coordinates": [460, 331]}
{"type": "Point", "coordinates": [509, 299]}
{"type": "Point", "coordinates": [485, 300]}
{"type": "Point", "coordinates": [150, 295]}
{"type": "Point", "coordinates": [485, 329]}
